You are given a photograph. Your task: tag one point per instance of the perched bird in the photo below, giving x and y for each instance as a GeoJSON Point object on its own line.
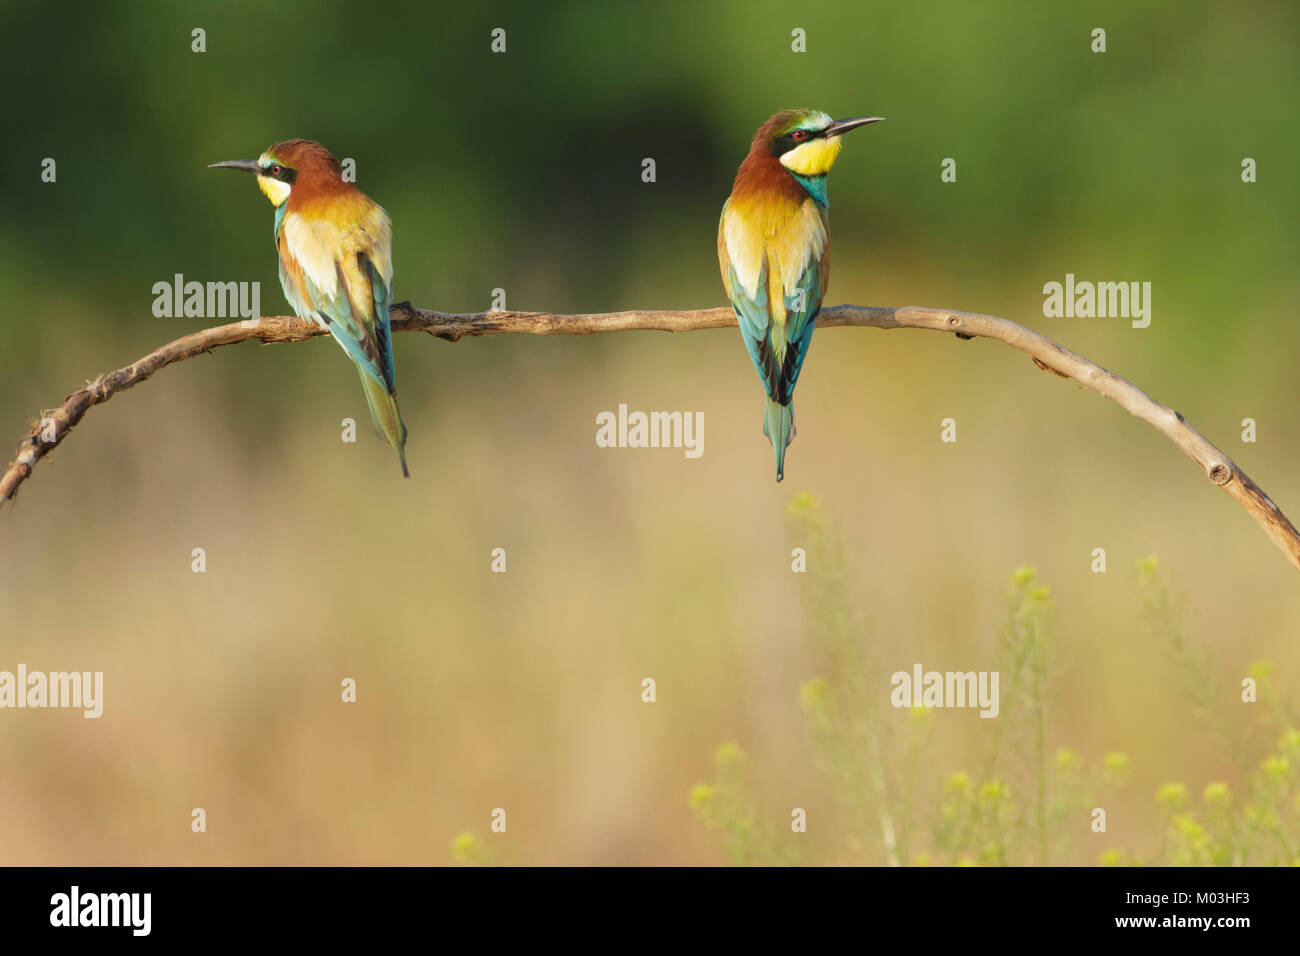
{"type": "Point", "coordinates": [774, 252]}
{"type": "Point", "coordinates": [336, 264]}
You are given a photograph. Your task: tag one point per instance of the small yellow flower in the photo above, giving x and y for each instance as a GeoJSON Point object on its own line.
{"type": "Point", "coordinates": [464, 849]}
{"type": "Point", "coordinates": [1023, 575]}
{"type": "Point", "coordinates": [957, 782]}
{"type": "Point", "coordinates": [804, 503]}
{"type": "Point", "coordinates": [1188, 829]}
{"type": "Point", "coordinates": [994, 792]}
{"type": "Point", "coordinates": [728, 755]}
{"type": "Point", "coordinates": [701, 796]}
{"type": "Point", "coordinates": [1261, 670]}
{"type": "Point", "coordinates": [1276, 768]}
{"type": "Point", "coordinates": [1217, 793]}
{"type": "Point", "coordinates": [1067, 759]}
{"type": "Point", "coordinates": [1171, 796]}
{"type": "Point", "coordinates": [1115, 764]}
{"type": "Point", "coordinates": [1111, 858]}
{"type": "Point", "coordinates": [812, 693]}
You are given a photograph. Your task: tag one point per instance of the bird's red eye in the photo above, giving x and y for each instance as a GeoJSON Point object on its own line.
{"type": "Point", "coordinates": [276, 170]}
{"type": "Point", "coordinates": [800, 135]}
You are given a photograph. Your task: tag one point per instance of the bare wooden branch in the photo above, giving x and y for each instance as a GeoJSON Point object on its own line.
{"type": "Point", "coordinates": [1221, 470]}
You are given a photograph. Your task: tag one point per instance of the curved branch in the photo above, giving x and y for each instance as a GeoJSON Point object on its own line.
{"type": "Point", "coordinates": [1048, 355]}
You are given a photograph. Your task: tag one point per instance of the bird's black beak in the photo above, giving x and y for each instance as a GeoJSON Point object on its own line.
{"type": "Point", "coordinates": [247, 165]}
{"type": "Point", "coordinates": [844, 125]}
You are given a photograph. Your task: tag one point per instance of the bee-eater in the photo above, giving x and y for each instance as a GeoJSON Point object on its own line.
{"type": "Point", "coordinates": [775, 253]}
{"type": "Point", "coordinates": [336, 264]}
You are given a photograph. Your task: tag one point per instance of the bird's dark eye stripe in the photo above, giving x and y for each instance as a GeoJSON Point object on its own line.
{"type": "Point", "coordinates": [279, 171]}
{"type": "Point", "coordinates": [789, 141]}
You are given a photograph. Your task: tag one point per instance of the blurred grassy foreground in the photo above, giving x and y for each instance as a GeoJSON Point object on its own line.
{"type": "Point", "coordinates": [522, 690]}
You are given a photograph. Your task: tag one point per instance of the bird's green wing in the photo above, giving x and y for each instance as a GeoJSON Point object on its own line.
{"type": "Point", "coordinates": [756, 327]}
{"type": "Point", "coordinates": [381, 300]}
{"type": "Point", "coordinates": [350, 314]}
{"type": "Point", "coordinates": [801, 307]}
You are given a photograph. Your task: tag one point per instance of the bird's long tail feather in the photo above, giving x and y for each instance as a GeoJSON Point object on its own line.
{"type": "Point", "coordinates": [778, 425]}
{"type": "Point", "coordinates": [385, 416]}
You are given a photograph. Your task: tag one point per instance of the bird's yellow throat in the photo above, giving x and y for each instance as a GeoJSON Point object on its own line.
{"type": "Point", "coordinates": [814, 158]}
{"type": "Point", "coordinates": [275, 190]}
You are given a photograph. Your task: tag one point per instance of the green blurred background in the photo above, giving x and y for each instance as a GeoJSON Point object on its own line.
{"type": "Point", "coordinates": [522, 171]}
